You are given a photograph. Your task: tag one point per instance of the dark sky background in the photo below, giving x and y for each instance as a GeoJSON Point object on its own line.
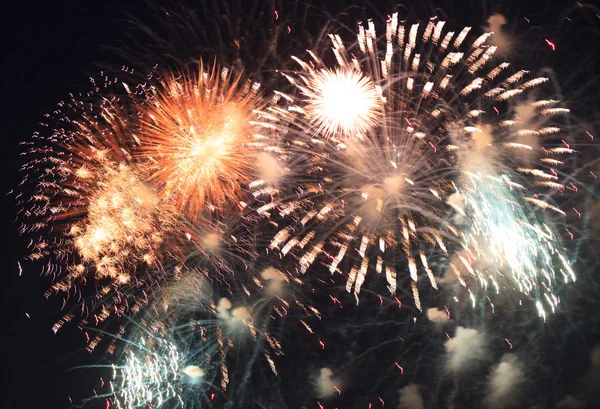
{"type": "Point", "coordinates": [50, 49]}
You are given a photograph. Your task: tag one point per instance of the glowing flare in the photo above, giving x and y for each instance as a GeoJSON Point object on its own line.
{"type": "Point", "coordinates": [341, 102]}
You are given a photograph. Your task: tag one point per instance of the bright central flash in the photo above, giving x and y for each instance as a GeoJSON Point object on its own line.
{"type": "Point", "coordinates": [343, 101]}
{"type": "Point", "coordinates": [205, 156]}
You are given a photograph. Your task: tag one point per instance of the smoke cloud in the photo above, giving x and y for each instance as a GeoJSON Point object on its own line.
{"type": "Point", "coordinates": [466, 349]}
{"type": "Point", "coordinates": [436, 315]}
{"type": "Point", "coordinates": [326, 384]}
{"type": "Point", "coordinates": [505, 383]}
{"type": "Point", "coordinates": [410, 398]}
{"type": "Point", "coordinates": [275, 280]}
{"type": "Point", "coordinates": [500, 39]}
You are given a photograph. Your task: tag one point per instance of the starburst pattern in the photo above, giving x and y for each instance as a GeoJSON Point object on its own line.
{"type": "Point", "coordinates": [201, 135]}
{"type": "Point", "coordinates": [383, 195]}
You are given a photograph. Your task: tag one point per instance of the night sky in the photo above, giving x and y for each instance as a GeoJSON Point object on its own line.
{"type": "Point", "coordinates": [51, 48]}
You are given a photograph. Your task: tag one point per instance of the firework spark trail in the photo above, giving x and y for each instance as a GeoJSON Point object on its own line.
{"type": "Point", "coordinates": [504, 236]}
{"type": "Point", "coordinates": [175, 352]}
{"type": "Point", "coordinates": [119, 223]}
{"type": "Point", "coordinates": [507, 169]}
{"type": "Point", "coordinates": [379, 138]}
{"type": "Point", "coordinates": [341, 102]}
{"type": "Point", "coordinates": [151, 376]}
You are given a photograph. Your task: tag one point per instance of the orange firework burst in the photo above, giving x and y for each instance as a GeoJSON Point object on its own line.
{"type": "Point", "coordinates": [201, 133]}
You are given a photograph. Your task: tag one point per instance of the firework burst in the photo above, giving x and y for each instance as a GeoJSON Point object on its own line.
{"type": "Point", "coordinates": [192, 346]}
{"type": "Point", "coordinates": [122, 184]}
{"type": "Point", "coordinates": [509, 174]}
{"type": "Point", "coordinates": [97, 219]}
{"type": "Point", "coordinates": [201, 135]}
{"type": "Point", "coordinates": [379, 182]}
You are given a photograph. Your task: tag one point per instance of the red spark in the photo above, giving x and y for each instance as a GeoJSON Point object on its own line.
{"type": "Point", "coordinates": [566, 144]}
{"type": "Point", "coordinates": [570, 234]}
{"type": "Point", "coordinates": [87, 338]}
{"type": "Point", "coordinates": [212, 396]}
{"type": "Point", "coordinates": [551, 44]}
{"type": "Point", "coordinates": [497, 111]}
{"type": "Point", "coordinates": [590, 135]}
{"type": "Point", "coordinates": [337, 389]}
{"type": "Point", "coordinates": [380, 300]}
{"type": "Point", "coordinates": [434, 148]}
{"type": "Point", "coordinates": [508, 342]}
{"type": "Point", "coordinates": [101, 382]}
{"type": "Point", "coordinates": [447, 311]}
{"type": "Point", "coordinates": [289, 29]}
{"type": "Point", "coordinates": [593, 174]}
{"type": "Point", "coordinates": [381, 400]}
{"type": "Point", "coordinates": [322, 344]}
{"type": "Point", "coordinates": [107, 403]}
{"type": "Point", "coordinates": [448, 336]}
{"type": "Point", "coordinates": [276, 15]}
{"type": "Point", "coordinates": [319, 403]}
{"type": "Point", "coordinates": [577, 211]}
{"type": "Point", "coordinates": [399, 367]}
{"type": "Point", "coordinates": [398, 301]}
